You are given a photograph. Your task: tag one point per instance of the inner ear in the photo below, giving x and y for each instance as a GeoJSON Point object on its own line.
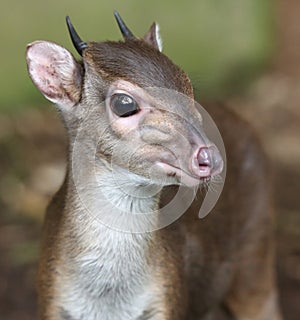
{"type": "Point", "coordinates": [55, 72]}
{"type": "Point", "coordinates": [153, 37]}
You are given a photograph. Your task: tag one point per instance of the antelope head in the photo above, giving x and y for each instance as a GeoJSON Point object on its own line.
{"type": "Point", "coordinates": [134, 105]}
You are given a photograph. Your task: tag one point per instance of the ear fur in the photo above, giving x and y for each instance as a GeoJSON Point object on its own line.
{"type": "Point", "coordinates": [153, 37]}
{"type": "Point", "coordinates": [55, 73]}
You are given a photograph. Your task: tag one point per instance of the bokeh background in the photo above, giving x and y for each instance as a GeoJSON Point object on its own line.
{"type": "Point", "coordinates": [245, 53]}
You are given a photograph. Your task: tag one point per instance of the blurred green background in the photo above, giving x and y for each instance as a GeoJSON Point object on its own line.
{"type": "Point", "coordinates": [221, 44]}
{"type": "Point", "coordinates": [242, 52]}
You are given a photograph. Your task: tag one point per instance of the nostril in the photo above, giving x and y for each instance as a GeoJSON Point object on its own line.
{"type": "Point", "coordinates": [207, 161]}
{"type": "Point", "coordinates": [204, 157]}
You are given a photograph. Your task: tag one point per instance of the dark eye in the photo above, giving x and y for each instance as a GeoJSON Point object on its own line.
{"type": "Point", "coordinates": [123, 105]}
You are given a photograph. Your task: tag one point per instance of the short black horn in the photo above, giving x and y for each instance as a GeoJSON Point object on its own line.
{"type": "Point", "coordinates": [127, 34]}
{"type": "Point", "coordinates": [77, 42]}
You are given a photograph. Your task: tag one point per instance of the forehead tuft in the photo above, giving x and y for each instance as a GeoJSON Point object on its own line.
{"type": "Point", "coordinates": [137, 62]}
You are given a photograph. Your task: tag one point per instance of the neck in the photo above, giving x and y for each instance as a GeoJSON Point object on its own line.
{"type": "Point", "coordinates": [117, 198]}
{"type": "Point", "coordinates": [105, 204]}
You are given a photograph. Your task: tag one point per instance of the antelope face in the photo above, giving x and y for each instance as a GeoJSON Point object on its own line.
{"type": "Point", "coordinates": [142, 115]}
{"type": "Point", "coordinates": [153, 125]}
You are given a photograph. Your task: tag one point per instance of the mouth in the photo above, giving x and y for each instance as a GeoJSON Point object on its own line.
{"type": "Point", "coordinates": [185, 178]}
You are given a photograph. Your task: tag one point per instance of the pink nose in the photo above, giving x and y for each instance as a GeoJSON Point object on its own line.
{"type": "Point", "coordinates": [207, 162]}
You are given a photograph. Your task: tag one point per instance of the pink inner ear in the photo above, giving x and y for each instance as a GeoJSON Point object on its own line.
{"type": "Point", "coordinates": [52, 69]}
{"type": "Point", "coordinates": [47, 81]}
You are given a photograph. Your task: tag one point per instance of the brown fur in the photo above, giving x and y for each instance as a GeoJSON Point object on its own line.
{"type": "Point", "coordinates": [220, 267]}
{"type": "Point", "coordinates": [137, 62]}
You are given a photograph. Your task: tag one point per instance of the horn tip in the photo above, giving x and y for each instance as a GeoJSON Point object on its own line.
{"type": "Point", "coordinates": [127, 34]}
{"type": "Point", "coordinates": [116, 14]}
{"type": "Point", "coordinates": [77, 42]}
{"type": "Point", "coordinates": [68, 20]}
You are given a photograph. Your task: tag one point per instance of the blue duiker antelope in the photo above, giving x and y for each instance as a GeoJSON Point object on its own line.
{"type": "Point", "coordinates": [103, 257]}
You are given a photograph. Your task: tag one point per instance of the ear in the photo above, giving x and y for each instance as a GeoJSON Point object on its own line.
{"type": "Point", "coordinates": [153, 37]}
{"type": "Point", "coordinates": [55, 73]}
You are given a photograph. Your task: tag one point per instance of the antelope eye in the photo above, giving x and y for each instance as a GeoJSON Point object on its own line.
{"type": "Point", "coordinates": [123, 105]}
